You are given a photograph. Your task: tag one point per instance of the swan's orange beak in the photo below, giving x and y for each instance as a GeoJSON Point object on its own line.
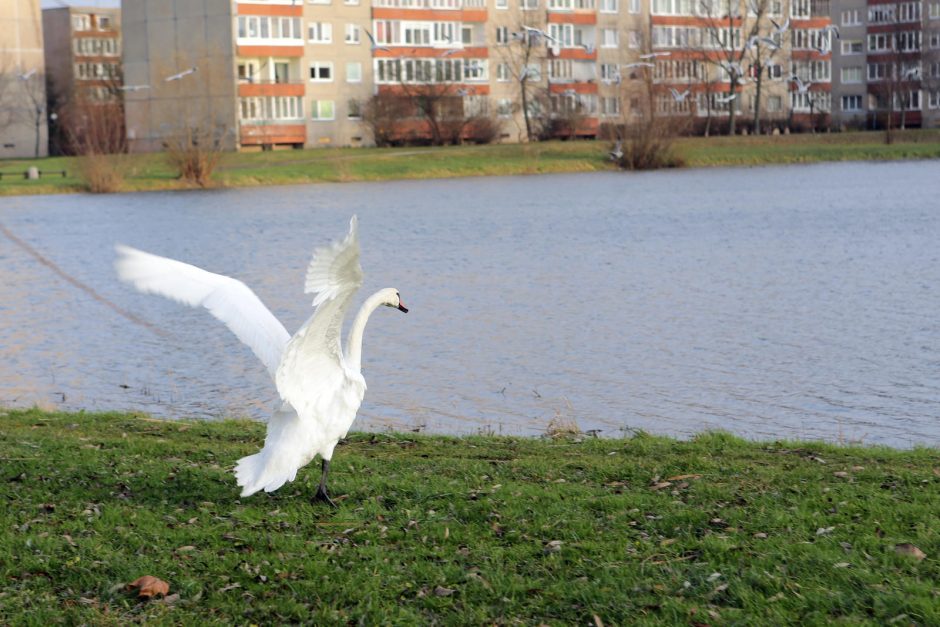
{"type": "Point", "coordinates": [401, 306]}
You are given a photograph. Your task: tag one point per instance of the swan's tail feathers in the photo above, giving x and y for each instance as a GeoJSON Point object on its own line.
{"type": "Point", "coordinates": [254, 473]}
{"type": "Point", "coordinates": [287, 448]}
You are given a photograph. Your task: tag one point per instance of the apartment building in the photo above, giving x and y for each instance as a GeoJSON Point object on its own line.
{"type": "Point", "coordinates": [292, 73]}
{"type": "Point", "coordinates": [83, 69]}
{"type": "Point", "coordinates": [888, 64]}
{"type": "Point", "coordinates": [23, 128]}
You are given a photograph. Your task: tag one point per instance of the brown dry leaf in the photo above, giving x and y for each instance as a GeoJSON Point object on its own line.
{"type": "Point", "coordinates": [183, 549]}
{"type": "Point", "coordinates": [597, 621]}
{"type": "Point", "coordinates": [660, 485]}
{"type": "Point", "coordinates": [841, 474]}
{"type": "Point", "coordinates": [909, 549]}
{"type": "Point", "coordinates": [149, 587]}
{"type": "Point", "coordinates": [682, 477]}
{"type": "Point", "coordinates": [441, 591]}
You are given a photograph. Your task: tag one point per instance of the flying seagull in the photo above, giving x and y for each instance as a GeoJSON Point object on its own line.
{"type": "Point", "coordinates": [653, 55]}
{"type": "Point", "coordinates": [639, 64]}
{"type": "Point", "coordinates": [617, 153]}
{"type": "Point", "coordinates": [372, 45]}
{"type": "Point", "coordinates": [781, 28]}
{"type": "Point", "coordinates": [320, 384]}
{"type": "Point", "coordinates": [27, 75]}
{"type": "Point", "coordinates": [133, 87]}
{"type": "Point", "coordinates": [725, 99]}
{"type": "Point", "coordinates": [679, 97]}
{"type": "Point", "coordinates": [800, 85]}
{"type": "Point", "coordinates": [176, 77]}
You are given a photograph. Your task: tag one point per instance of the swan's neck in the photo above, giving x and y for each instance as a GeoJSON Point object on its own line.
{"type": "Point", "coordinates": [354, 341]}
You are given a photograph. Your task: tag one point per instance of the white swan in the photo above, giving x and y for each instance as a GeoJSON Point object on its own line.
{"type": "Point", "coordinates": [320, 384]}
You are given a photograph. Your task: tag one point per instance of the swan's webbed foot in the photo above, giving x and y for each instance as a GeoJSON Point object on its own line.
{"type": "Point", "coordinates": [321, 494]}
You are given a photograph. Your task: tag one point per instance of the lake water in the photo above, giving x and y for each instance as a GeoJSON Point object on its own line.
{"type": "Point", "coordinates": [797, 302]}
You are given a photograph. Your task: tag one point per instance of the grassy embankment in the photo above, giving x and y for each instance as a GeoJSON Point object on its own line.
{"type": "Point", "coordinates": [473, 530]}
{"type": "Point", "coordinates": [150, 172]}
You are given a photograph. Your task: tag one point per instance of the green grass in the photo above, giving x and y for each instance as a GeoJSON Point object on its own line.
{"type": "Point", "coordinates": [150, 172]}
{"type": "Point", "coordinates": [477, 530]}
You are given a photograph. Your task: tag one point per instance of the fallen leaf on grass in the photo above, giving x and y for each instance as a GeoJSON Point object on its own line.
{"type": "Point", "coordinates": [841, 565]}
{"type": "Point", "coordinates": [909, 549]}
{"type": "Point", "coordinates": [597, 621]}
{"type": "Point", "coordinates": [183, 549]}
{"type": "Point", "coordinates": [441, 591]}
{"type": "Point", "coordinates": [841, 474]}
{"type": "Point", "coordinates": [149, 587]}
{"type": "Point", "coordinates": [824, 531]}
{"type": "Point", "coordinates": [660, 485]}
{"type": "Point", "coordinates": [553, 547]}
{"type": "Point", "coordinates": [681, 477]}
{"type": "Point", "coordinates": [231, 586]}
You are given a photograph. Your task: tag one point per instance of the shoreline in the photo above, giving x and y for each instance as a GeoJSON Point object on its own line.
{"type": "Point", "coordinates": [149, 172]}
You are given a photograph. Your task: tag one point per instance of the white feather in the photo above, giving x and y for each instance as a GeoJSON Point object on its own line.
{"type": "Point", "coordinates": [226, 298]}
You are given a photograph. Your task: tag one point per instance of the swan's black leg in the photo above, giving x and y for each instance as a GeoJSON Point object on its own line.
{"type": "Point", "coordinates": [321, 494]}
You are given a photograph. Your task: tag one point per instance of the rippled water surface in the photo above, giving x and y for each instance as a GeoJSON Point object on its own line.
{"type": "Point", "coordinates": [774, 302]}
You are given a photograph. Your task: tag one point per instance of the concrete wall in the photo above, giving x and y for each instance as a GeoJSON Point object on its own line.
{"type": "Point", "coordinates": [163, 38]}
{"type": "Point", "coordinates": [22, 80]}
{"type": "Point", "coordinates": [843, 58]}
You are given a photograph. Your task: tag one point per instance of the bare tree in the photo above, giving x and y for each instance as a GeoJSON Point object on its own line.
{"type": "Point", "coordinates": [524, 54]}
{"type": "Point", "coordinates": [895, 60]}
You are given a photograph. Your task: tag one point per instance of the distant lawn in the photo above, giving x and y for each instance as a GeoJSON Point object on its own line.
{"type": "Point", "coordinates": [150, 172]}
{"type": "Point", "coordinates": [462, 531]}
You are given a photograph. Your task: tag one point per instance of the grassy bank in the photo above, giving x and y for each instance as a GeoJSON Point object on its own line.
{"type": "Point", "coordinates": [150, 172]}
{"type": "Point", "coordinates": [461, 531]}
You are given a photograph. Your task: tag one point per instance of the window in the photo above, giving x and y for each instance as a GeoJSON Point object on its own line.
{"type": "Point", "coordinates": [281, 72]}
{"type": "Point", "coordinates": [352, 33]}
{"type": "Point", "coordinates": [851, 18]}
{"type": "Point", "coordinates": [502, 4]}
{"type": "Point", "coordinates": [104, 22]}
{"type": "Point", "coordinates": [610, 37]}
{"type": "Point", "coordinates": [851, 103]}
{"type": "Point", "coordinates": [273, 29]}
{"type": "Point", "coordinates": [354, 109]}
{"type": "Point", "coordinates": [351, 2]}
{"type": "Point", "coordinates": [800, 9]}
{"type": "Point", "coordinates": [935, 39]}
{"type": "Point", "coordinates": [634, 8]}
{"type": "Point", "coordinates": [502, 35]}
{"type": "Point", "coordinates": [934, 11]}
{"type": "Point", "coordinates": [563, 34]}
{"type": "Point", "coordinates": [466, 35]}
{"type": "Point", "coordinates": [504, 107]}
{"type": "Point", "coordinates": [322, 110]}
{"type": "Point", "coordinates": [320, 32]}
{"type": "Point", "coordinates": [774, 104]}
{"type": "Point", "coordinates": [852, 46]}
{"type": "Point", "coordinates": [502, 72]}
{"type": "Point", "coordinates": [319, 1]}
{"type": "Point", "coordinates": [271, 108]}
{"type": "Point", "coordinates": [609, 6]}
{"type": "Point", "coordinates": [354, 72]}
{"type": "Point", "coordinates": [634, 39]}
{"type": "Point", "coordinates": [321, 71]}
{"type": "Point", "coordinates": [609, 72]}
{"type": "Point", "coordinates": [878, 71]}
{"type": "Point", "coordinates": [610, 105]}
{"type": "Point", "coordinates": [852, 74]}
{"type": "Point", "coordinates": [81, 22]}
{"type": "Point", "coordinates": [881, 13]}
{"type": "Point", "coordinates": [879, 41]}
{"type": "Point", "coordinates": [530, 5]}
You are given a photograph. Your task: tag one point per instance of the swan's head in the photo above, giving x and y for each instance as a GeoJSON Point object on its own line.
{"type": "Point", "coordinates": [391, 298]}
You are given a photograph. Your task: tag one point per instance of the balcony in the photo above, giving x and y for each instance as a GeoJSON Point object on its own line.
{"type": "Point", "coordinates": [272, 133]}
{"type": "Point", "coordinates": [270, 88]}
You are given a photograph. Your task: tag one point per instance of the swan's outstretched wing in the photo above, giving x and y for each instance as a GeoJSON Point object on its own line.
{"type": "Point", "coordinates": [313, 376]}
{"type": "Point", "coordinates": [226, 298]}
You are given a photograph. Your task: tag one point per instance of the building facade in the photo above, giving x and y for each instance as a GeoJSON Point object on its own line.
{"type": "Point", "coordinates": [887, 64]}
{"type": "Point", "coordinates": [353, 72]}
{"type": "Point", "coordinates": [23, 128]}
{"type": "Point", "coordinates": [83, 72]}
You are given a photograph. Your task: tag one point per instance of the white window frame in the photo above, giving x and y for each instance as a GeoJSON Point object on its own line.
{"type": "Point", "coordinates": [320, 65]}
{"type": "Point", "coordinates": [353, 34]}
{"type": "Point", "coordinates": [351, 64]}
{"type": "Point", "coordinates": [319, 32]}
{"type": "Point", "coordinates": [316, 107]}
